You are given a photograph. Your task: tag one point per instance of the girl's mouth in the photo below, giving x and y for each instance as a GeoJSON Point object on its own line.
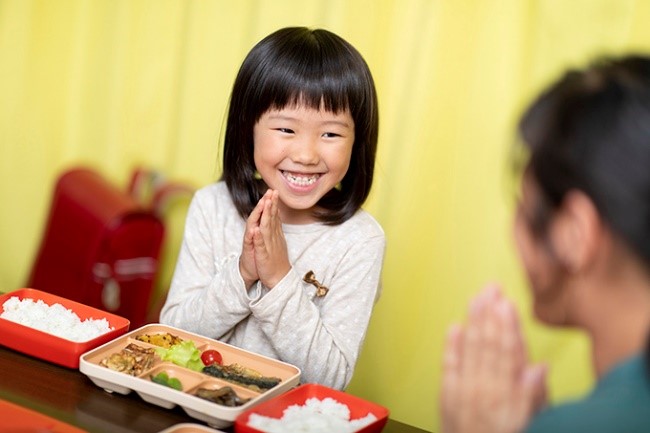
{"type": "Point", "coordinates": [299, 179]}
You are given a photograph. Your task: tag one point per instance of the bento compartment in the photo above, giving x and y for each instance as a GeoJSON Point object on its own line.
{"type": "Point", "coordinates": [222, 393]}
{"type": "Point", "coordinates": [159, 338]}
{"type": "Point", "coordinates": [166, 336]}
{"type": "Point", "coordinates": [115, 365]}
{"type": "Point", "coordinates": [172, 376]}
{"type": "Point", "coordinates": [129, 358]}
{"type": "Point", "coordinates": [243, 376]}
{"type": "Point", "coordinates": [163, 385]}
{"type": "Point", "coordinates": [172, 346]}
{"type": "Point", "coordinates": [264, 366]}
{"type": "Point", "coordinates": [104, 351]}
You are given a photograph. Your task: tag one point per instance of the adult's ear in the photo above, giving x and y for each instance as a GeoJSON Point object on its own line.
{"type": "Point", "coordinates": [576, 231]}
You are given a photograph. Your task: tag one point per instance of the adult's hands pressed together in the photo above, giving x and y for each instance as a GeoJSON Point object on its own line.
{"type": "Point", "coordinates": [264, 251]}
{"type": "Point", "coordinates": [488, 384]}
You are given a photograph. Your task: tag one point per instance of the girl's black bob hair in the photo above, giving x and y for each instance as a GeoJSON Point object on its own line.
{"type": "Point", "coordinates": [298, 65]}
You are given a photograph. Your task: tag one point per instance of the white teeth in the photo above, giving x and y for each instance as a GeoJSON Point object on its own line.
{"type": "Point", "coordinates": [301, 180]}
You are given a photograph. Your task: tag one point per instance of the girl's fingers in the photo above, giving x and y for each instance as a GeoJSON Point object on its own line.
{"type": "Point", "coordinates": [271, 254]}
{"type": "Point", "coordinates": [247, 262]}
{"type": "Point", "coordinates": [256, 214]}
{"type": "Point", "coordinates": [274, 205]}
{"type": "Point", "coordinates": [247, 267]}
{"type": "Point", "coordinates": [266, 218]}
{"type": "Point", "coordinates": [270, 215]}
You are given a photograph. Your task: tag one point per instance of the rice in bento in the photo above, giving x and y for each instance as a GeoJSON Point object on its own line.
{"type": "Point", "coordinates": [55, 319]}
{"type": "Point", "coordinates": [315, 416]}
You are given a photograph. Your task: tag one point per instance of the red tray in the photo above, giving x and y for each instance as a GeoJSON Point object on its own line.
{"type": "Point", "coordinates": [275, 407]}
{"type": "Point", "coordinates": [50, 347]}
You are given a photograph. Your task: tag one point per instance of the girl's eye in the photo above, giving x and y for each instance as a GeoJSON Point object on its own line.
{"type": "Point", "coordinates": [331, 135]}
{"type": "Point", "coordinates": [285, 130]}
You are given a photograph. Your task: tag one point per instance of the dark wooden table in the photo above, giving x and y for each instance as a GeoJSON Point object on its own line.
{"type": "Point", "coordinates": [69, 396]}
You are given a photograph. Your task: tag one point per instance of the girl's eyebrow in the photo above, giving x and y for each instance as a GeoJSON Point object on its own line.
{"type": "Point", "coordinates": [337, 122]}
{"type": "Point", "coordinates": [326, 122]}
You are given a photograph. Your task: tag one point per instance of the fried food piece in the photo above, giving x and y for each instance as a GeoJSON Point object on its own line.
{"type": "Point", "coordinates": [165, 340]}
{"type": "Point", "coordinates": [133, 360]}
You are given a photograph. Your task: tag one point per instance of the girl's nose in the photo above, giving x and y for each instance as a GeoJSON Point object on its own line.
{"type": "Point", "coordinates": [305, 151]}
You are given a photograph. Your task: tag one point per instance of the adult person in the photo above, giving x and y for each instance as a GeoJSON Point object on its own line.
{"type": "Point", "coordinates": [582, 230]}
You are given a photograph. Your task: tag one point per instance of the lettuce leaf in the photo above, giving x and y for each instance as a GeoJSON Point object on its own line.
{"type": "Point", "coordinates": [184, 354]}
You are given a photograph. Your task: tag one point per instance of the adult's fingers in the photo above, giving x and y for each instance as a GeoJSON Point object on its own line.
{"type": "Point", "coordinates": [450, 407]}
{"type": "Point", "coordinates": [490, 355]}
{"type": "Point", "coordinates": [535, 386]}
{"type": "Point", "coordinates": [510, 344]}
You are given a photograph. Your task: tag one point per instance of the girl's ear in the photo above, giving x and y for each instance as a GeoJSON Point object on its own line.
{"type": "Point", "coordinates": [577, 231]}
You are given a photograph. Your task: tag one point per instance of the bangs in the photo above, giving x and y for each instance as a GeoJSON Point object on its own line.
{"type": "Point", "coordinates": [311, 72]}
{"type": "Point", "coordinates": [315, 89]}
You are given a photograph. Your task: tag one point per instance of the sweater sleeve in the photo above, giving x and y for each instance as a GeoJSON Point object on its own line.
{"type": "Point", "coordinates": [324, 335]}
{"type": "Point", "coordinates": [207, 294]}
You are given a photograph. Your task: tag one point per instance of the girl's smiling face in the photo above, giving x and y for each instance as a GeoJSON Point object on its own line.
{"type": "Point", "coordinates": [302, 153]}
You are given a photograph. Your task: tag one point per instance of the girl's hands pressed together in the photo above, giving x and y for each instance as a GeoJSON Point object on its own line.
{"type": "Point", "coordinates": [247, 266]}
{"type": "Point", "coordinates": [264, 253]}
{"type": "Point", "coordinates": [488, 385]}
{"type": "Point", "coordinates": [271, 256]}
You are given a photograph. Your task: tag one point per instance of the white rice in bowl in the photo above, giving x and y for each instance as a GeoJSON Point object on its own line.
{"type": "Point", "coordinates": [55, 319]}
{"type": "Point", "coordinates": [315, 416]}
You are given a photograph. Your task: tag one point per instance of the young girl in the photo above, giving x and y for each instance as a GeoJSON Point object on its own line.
{"type": "Point", "coordinates": [583, 233]}
{"type": "Point", "coordinates": [278, 257]}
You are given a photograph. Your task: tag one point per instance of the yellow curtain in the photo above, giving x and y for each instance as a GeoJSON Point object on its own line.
{"type": "Point", "coordinates": [113, 84]}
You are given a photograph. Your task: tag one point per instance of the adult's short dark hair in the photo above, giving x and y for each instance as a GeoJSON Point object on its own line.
{"type": "Point", "coordinates": [590, 131]}
{"type": "Point", "coordinates": [315, 67]}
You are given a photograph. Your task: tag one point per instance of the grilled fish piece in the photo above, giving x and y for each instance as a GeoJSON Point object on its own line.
{"type": "Point", "coordinates": [241, 375]}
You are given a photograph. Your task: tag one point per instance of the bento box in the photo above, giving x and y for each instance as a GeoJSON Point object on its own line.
{"type": "Point", "coordinates": [189, 428]}
{"type": "Point", "coordinates": [146, 361]}
{"type": "Point", "coordinates": [53, 348]}
{"type": "Point", "coordinates": [369, 417]}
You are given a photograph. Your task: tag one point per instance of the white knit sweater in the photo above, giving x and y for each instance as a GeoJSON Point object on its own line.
{"type": "Point", "coordinates": [320, 335]}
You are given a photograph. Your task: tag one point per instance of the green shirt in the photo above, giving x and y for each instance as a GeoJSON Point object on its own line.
{"type": "Point", "coordinates": [620, 402]}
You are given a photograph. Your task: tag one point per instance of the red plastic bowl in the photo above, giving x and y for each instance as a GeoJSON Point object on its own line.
{"type": "Point", "coordinates": [276, 406]}
{"type": "Point", "coordinates": [50, 347]}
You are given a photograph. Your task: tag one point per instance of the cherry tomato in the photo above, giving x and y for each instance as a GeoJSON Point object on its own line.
{"type": "Point", "coordinates": [210, 357]}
